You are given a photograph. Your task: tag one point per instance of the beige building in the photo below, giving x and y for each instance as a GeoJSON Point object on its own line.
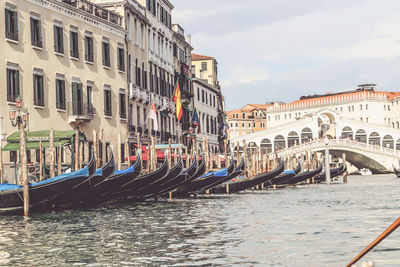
{"type": "Point", "coordinates": [249, 119]}
{"type": "Point", "coordinates": [66, 59]}
{"type": "Point", "coordinates": [206, 68]}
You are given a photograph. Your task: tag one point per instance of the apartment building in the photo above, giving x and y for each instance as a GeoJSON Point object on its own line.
{"type": "Point", "coordinates": [66, 59]}
{"type": "Point", "coordinates": [248, 119]}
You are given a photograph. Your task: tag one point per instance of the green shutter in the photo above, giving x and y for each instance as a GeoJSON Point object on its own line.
{"type": "Point", "coordinates": [75, 98]}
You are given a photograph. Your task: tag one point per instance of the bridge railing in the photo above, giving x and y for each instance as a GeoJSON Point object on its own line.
{"type": "Point", "coordinates": [340, 143]}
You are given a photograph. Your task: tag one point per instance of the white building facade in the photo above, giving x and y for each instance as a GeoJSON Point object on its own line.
{"type": "Point", "coordinates": [206, 101]}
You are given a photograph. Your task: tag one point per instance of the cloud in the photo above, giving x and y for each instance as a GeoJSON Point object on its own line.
{"type": "Point", "coordinates": [282, 49]}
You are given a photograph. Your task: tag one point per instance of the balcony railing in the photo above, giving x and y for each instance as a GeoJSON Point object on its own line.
{"type": "Point", "coordinates": [12, 36]}
{"type": "Point", "coordinates": [74, 53]}
{"type": "Point", "coordinates": [146, 132]}
{"type": "Point", "coordinates": [81, 110]}
{"type": "Point", "coordinates": [38, 102]}
{"type": "Point", "coordinates": [59, 49]}
{"type": "Point", "coordinates": [89, 58]}
{"type": "Point", "coordinates": [96, 10]}
{"type": "Point", "coordinates": [37, 42]}
{"type": "Point", "coordinates": [132, 128]}
{"type": "Point", "coordinates": [140, 129]}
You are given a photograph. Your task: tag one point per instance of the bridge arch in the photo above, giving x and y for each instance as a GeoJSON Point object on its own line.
{"type": "Point", "coordinates": [374, 139]}
{"type": "Point", "coordinates": [326, 120]}
{"type": "Point", "coordinates": [388, 141]}
{"type": "Point", "coordinates": [279, 142]}
{"type": "Point", "coordinates": [361, 136]}
{"type": "Point", "coordinates": [266, 146]}
{"type": "Point", "coordinates": [347, 133]}
{"type": "Point", "coordinates": [293, 139]}
{"type": "Point", "coordinates": [306, 135]}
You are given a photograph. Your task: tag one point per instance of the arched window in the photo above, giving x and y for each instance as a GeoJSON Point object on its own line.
{"type": "Point", "coordinates": [293, 139]}
{"type": "Point", "coordinates": [374, 139]}
{"type": "Point", "coordinates": [361, 136]}
{"type": "Point", "coordinates": [279, 142]}
{"type": "Point", "coordinates": [347, 133]}
{"type": "Point", "coordinates": [266, 146]}
{"type": "Point", "coordinates": [306, 135]}
{"type": "Point", "coordinates": [388, 141]}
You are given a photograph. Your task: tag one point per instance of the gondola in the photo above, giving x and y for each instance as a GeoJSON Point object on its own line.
{"type": "Point", "coordinates": [80, 191]}
{"type": "Point", "coordinates": [187, 174]}
{"type": "Point", "coordinates": [199, 172]}
{"type": "Point", "coordinates": [98, 192]}
{"type": "Point", "coordinates": [43, 192]}
{"type": "Point", "coordinates": [205, 180]}
{"type": "Point", "coordinates": [244, 184]}
{"type": "Point", "coordinates": [302, 176]}
{"type": "Point", "coordinates": [129, 189]}
{"type": "Point", "coordinates": [157, 185]}
{"type": "Point", "coordinates": [334, 172]}
{"type": "Point", "coordinates": [278, 180]}
{"type": "Point", "coordinates": [396, 171]}
{"type": "Point", "coordinates": [240, 169]}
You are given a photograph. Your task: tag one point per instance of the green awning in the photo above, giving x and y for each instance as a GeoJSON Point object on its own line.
{"type": "Point", "coordinates": [33, 145]}
{"type": "Point", "coordinates": [33, 139]}
{"type": "Point", "coordinates": [164, 114]}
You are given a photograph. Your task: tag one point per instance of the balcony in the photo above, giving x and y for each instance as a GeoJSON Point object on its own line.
{"type": "Point", "coordinates": [95, 10]}
{"type": "Point", "coordinates": [79, 112]}
{"type": "Point", "coordinates": [138, 94]}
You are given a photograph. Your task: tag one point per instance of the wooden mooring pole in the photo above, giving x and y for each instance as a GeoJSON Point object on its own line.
{"type": "Point", "coordinates": [52, 156]}
{"type": "Point", "coordinates": [24, 168]}
{"type": "Point", "coordinates": [1, 151]}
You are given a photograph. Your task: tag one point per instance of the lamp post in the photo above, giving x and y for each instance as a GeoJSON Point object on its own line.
{"type": "Point", "coordinates": [1, 151]}
{"type": "Point", "coordinates": [19, 118]}
{"type": "Point", "coordinates": [327, 167]}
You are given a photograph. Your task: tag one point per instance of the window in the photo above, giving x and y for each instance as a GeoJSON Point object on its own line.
{"type": "Point", "coordinates": [122, 105]}
{"type": "Point", "coordinates": [203, 65]}
{"type": "Point", "coordinates": [38, 92]}
{"type": "Point", "coordinates": [60, 92]}
{"type": "Point", "coordinates": [254, 125]}
{"type": "Point", "coordinates": [12, 82]}
{"type": "Point", "coordinates": [366, 107]}
{"type": "Point", "coordinates": [74, 43]}
{"type": "Point", "coordinates": [36, 32]}
{"type": "Point", "coordinates": [89, 93]}
{"type": "Point", "coordinates": [206, 97]}
{"type": "Point", "coordinates": [122, 153]}
{"type": "Point", "coordinates": [106, 53]}
{"type": "Point", "coordinates": [121, 58]}
{"type": "Point", "coordinates": [198, 94]}
{"type": "Point", "coordinates": [77, 103]}
{"type": "Point", "coordinates": [58, 38]}
{"type": "Point", "coordinates": [242, 125]}
{"type": "Point", "coordinates": [202, 96]}
{"type": "Point", "coordinates": [360, 106]}
{"type": "Point", "coordinates": [89, 47]}
{"type": "Point", "coordinates": [107, 101]}
{"type": "Point", "coordinates": [11, 24]}
{"type": "Point", "coordinates": [249, 125]}
{"type": "Point", "coordinates": [214, 101]}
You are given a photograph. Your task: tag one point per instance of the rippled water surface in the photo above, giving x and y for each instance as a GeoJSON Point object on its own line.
{"type": "Point", "coordinates": [316, 225]}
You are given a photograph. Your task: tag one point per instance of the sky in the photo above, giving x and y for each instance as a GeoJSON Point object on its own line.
{"type": "Point", "coordinates": [279, 50]}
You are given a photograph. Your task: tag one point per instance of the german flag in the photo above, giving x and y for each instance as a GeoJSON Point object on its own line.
{"type": "Point", "coordinates": [177, 99]}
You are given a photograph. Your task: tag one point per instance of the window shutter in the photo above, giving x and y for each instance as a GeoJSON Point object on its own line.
{"type": "Point", "coordinates": [16, 22]}
{"type": "Point", "coordinates": [55, 38]}
{"type": "Point", "coordinates": [8, 20]}
{"type": "Point", "coordinates": [32, 31]}
{"type": "Point", "coordinates": [16, 85]}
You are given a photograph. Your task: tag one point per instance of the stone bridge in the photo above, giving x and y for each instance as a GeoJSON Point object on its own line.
{"type": "Point", "coordinates": [376, 158]}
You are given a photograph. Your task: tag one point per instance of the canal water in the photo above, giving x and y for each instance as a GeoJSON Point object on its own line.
{"type": "Point", "coordinates": [316, 225]}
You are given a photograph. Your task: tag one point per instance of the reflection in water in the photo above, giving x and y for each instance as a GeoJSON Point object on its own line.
{"type": "Point", "coordinates": [306, 226]}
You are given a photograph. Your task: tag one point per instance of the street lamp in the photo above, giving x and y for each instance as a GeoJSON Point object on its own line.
{"type": "Point", "coordinates": [19, 117]}
{"type": "Point", "coordinates": [327, 167]}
